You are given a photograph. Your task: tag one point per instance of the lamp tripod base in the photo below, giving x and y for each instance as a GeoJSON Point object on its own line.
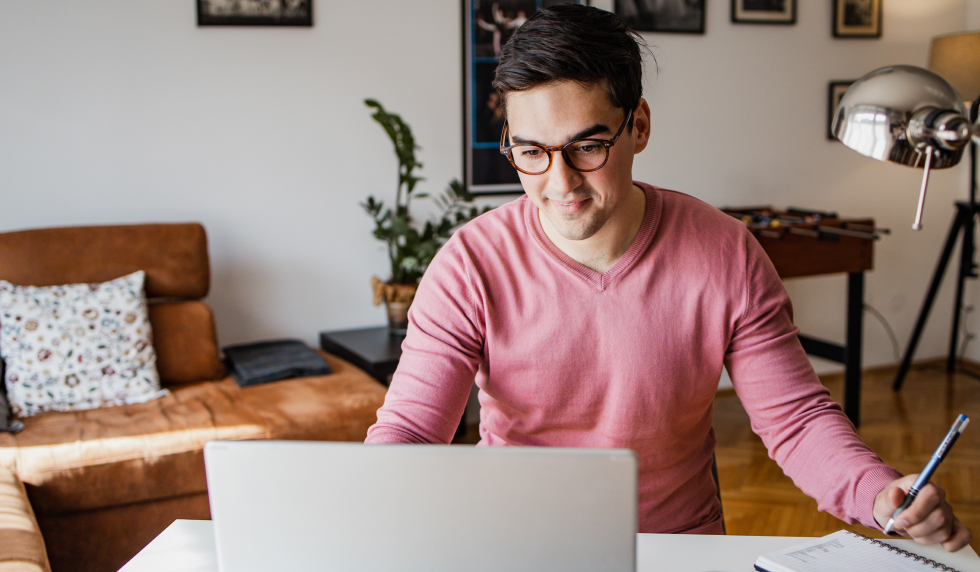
{"type": "Point", "coordinates": [964, 223]}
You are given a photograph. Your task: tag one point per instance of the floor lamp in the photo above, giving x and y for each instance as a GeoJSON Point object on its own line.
{"type": "Point", "coordinates": [955, 57]}
{"type": "Point", "coordinates": [914, 117]}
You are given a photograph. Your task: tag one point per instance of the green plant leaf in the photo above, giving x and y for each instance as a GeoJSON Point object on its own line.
{"type": "Point", "coordinates": [411, 247]}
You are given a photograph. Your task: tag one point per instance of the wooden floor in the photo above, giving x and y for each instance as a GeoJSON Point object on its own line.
{"type": "Point", "coordinates": [903, 427]}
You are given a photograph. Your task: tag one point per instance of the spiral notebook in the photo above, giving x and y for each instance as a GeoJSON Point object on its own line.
{"type": "Point", "coordinates": [844, 551]}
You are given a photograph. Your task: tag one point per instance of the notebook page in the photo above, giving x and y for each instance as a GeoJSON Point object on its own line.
{"type": "Point", "coordinates": [841, 552]}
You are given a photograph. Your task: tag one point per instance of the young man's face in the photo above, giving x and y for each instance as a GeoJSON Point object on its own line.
{"type": "Point", "coordinates": [577, 205]}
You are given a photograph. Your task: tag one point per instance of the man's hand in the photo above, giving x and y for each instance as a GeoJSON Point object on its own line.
{"type": "Point", "coordinates": [928, 520]}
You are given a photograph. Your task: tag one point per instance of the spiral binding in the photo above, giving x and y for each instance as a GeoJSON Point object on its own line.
{"type": "Point", "coordinates": [905, 553]}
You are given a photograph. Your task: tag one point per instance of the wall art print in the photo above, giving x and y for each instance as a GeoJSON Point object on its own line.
{"type": "Point", "coordinates": [857, 18]}
{"type": "Point", "coordinates": [764, 11]}
{"type": "Point", "coordinates": [835, 91]}
{"type": "Point", "coordinates": [487, 25]}
{"type": "Point", "coordinates": [254, 12]}
{"type": "Point", "coordinates": [664, 16]}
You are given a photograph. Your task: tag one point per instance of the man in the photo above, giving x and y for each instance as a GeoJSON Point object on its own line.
{"type": "Point", "coordinates": [598, 312]}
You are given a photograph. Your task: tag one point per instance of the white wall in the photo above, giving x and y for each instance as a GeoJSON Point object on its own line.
{"type": "Point", "coordinates": [114, 111]}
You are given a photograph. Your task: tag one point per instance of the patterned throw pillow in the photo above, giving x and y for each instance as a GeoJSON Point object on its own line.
{"type": "Point", "coordinates": [78, 346]}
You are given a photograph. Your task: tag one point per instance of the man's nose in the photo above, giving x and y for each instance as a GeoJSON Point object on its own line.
{"type": "Point", "coordinates": [561, 177]}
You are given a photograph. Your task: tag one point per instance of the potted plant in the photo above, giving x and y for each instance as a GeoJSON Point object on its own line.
{"type": "Point", "coordinates": [410, 246]}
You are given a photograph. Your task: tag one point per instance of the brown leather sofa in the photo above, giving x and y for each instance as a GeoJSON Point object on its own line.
{"type": "Point", "coordinates": [104, 482]}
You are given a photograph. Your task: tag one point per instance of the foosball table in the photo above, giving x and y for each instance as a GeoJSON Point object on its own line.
{"type": "Point", "coordinates": [804, 242]}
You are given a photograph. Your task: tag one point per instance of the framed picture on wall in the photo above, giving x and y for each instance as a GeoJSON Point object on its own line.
{"type": "Point", "coordinates": [834, 93]}
{"type": "Point", "coordinates": [487, 25]}
{"type": "Point", "coordinates": [668, 16]}
{"type": "Point", "coordinates": [857, 18]}
{"type": "Point", "coordinates": [764, 11]}
{"type": "Point", "coordinates": [255, 13]}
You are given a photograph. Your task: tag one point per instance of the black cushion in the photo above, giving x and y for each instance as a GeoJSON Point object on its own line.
{"type": "Point", "coordinates": [262, 362]}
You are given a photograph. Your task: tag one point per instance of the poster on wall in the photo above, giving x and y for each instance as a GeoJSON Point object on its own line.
{"type": "Point", "coordinates": [254, 12]}
{"type": "Point", "coordinates": [836, 91]}
{"type": "Point", "coordinates": [487, 25]}
{"type": "Point", "coordinates": [764, 11]}
{"type": "Point", "coordinates": [665, 16]}
{"type": "Point", "coordinates": [857, 18]}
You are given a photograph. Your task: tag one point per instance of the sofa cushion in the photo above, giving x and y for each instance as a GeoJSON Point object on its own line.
{"type": "Point", "coordinates": [148, 451]}
{"type": "Point", "coordinates": [174, 256]}
{"type": "Point", "coordinates": [77, 346]}
{"type": "Point", "coordinates": [186, 343]}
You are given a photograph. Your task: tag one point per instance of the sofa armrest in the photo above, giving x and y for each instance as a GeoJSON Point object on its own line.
{"type": "Point", "coordinates": [21, 546]}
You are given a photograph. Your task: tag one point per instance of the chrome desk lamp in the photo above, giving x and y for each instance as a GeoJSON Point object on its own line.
{"type": "Point", "coordinates": [905, 115]}
{"type": "Point", "coordinates": [912, 116]}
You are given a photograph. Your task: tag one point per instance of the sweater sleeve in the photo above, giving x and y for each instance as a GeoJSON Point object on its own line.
{"type": "Point", "coordinates": [806, 432]}
{"type": "Point", "coordinates": [441, 354]}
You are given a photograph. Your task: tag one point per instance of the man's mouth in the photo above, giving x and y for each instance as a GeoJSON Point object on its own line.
{"type": "Point", "coordinates": [571, 206]}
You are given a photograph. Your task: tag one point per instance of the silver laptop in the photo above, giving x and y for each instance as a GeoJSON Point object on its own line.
{"type": "Point", "coordinates": [296, 505]}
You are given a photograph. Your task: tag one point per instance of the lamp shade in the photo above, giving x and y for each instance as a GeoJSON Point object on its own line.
{"type": "Point", "coordinates": [879, 114]}
{"type": "Point", "coordinates": [956, 57]}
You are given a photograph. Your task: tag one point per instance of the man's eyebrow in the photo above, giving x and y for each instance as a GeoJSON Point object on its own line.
{"type": "Point", "coordinates": [583, 134]}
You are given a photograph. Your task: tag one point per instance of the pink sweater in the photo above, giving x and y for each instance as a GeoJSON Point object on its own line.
{"type": "Point", "coordinates": [630, 358]}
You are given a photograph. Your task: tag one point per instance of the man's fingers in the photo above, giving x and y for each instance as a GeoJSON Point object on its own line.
{"type": "Point", "coordinates": [896, 496]}
{"type": "Point", "coordinates": [928, 519]}
{"type": "Point", "coordinates": [960, 538]}
{"type": "Point", "coordinates": [936, 527]}
{"type": "Point", "coordinates": [929, 500]}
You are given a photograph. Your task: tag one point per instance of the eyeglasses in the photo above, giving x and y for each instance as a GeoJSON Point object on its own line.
{"type": "Point", "coordinates": [583, 155]}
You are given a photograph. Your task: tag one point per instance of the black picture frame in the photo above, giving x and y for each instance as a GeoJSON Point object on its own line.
{"type": "Point", "coordinates": [764, 12]}
{"type": "Point", "coordinates": [266, 13]}
{"type": "Point", "coordinates": [668, 17]}
{"type": "Point", "coordinates": [835, 91]}
{"type": "Point", "coordinates": [857, 19]}
{"type": "Point", "coordinates": [486, 27]}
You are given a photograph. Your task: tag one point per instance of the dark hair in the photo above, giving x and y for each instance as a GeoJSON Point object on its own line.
{"type": "Point", "coordinates": [571, 42]}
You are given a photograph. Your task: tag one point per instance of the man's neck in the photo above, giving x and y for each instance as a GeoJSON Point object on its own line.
{"type": "Point", "coordinates": [601, 251]}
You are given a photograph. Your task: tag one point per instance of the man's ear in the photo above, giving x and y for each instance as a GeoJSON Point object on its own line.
{"type": "Point", "coordinates": [641, 125]}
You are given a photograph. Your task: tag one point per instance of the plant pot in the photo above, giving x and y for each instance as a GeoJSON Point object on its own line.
{"type": "Point", "coordinates": [397, 298]}
{"type": "Point", "coordinates": [397, 317]}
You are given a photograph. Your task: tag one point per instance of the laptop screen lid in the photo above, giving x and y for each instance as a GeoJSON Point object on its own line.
{"type": "Point", "coordinates": [295, 505]}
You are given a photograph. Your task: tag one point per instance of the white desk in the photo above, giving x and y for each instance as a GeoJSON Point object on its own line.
{"type": "Point", "coordinates": [188, 546]}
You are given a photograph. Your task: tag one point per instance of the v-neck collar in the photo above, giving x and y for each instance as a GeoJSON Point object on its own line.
{"type": "Point", "coordinates": [601, 280]}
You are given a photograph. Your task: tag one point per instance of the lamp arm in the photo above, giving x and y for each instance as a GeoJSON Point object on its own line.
{"type": "Point", "coordinates": [917, 225]}
{"type": "Point", "coordinates": [929, 130]}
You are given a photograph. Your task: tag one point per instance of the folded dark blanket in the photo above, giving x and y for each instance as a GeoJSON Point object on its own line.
{"type": "Point", "coordinates": [262, 362]}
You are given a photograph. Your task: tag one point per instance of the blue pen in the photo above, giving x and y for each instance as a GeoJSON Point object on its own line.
{"type": "Point", "coordinates": [954, 432]}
